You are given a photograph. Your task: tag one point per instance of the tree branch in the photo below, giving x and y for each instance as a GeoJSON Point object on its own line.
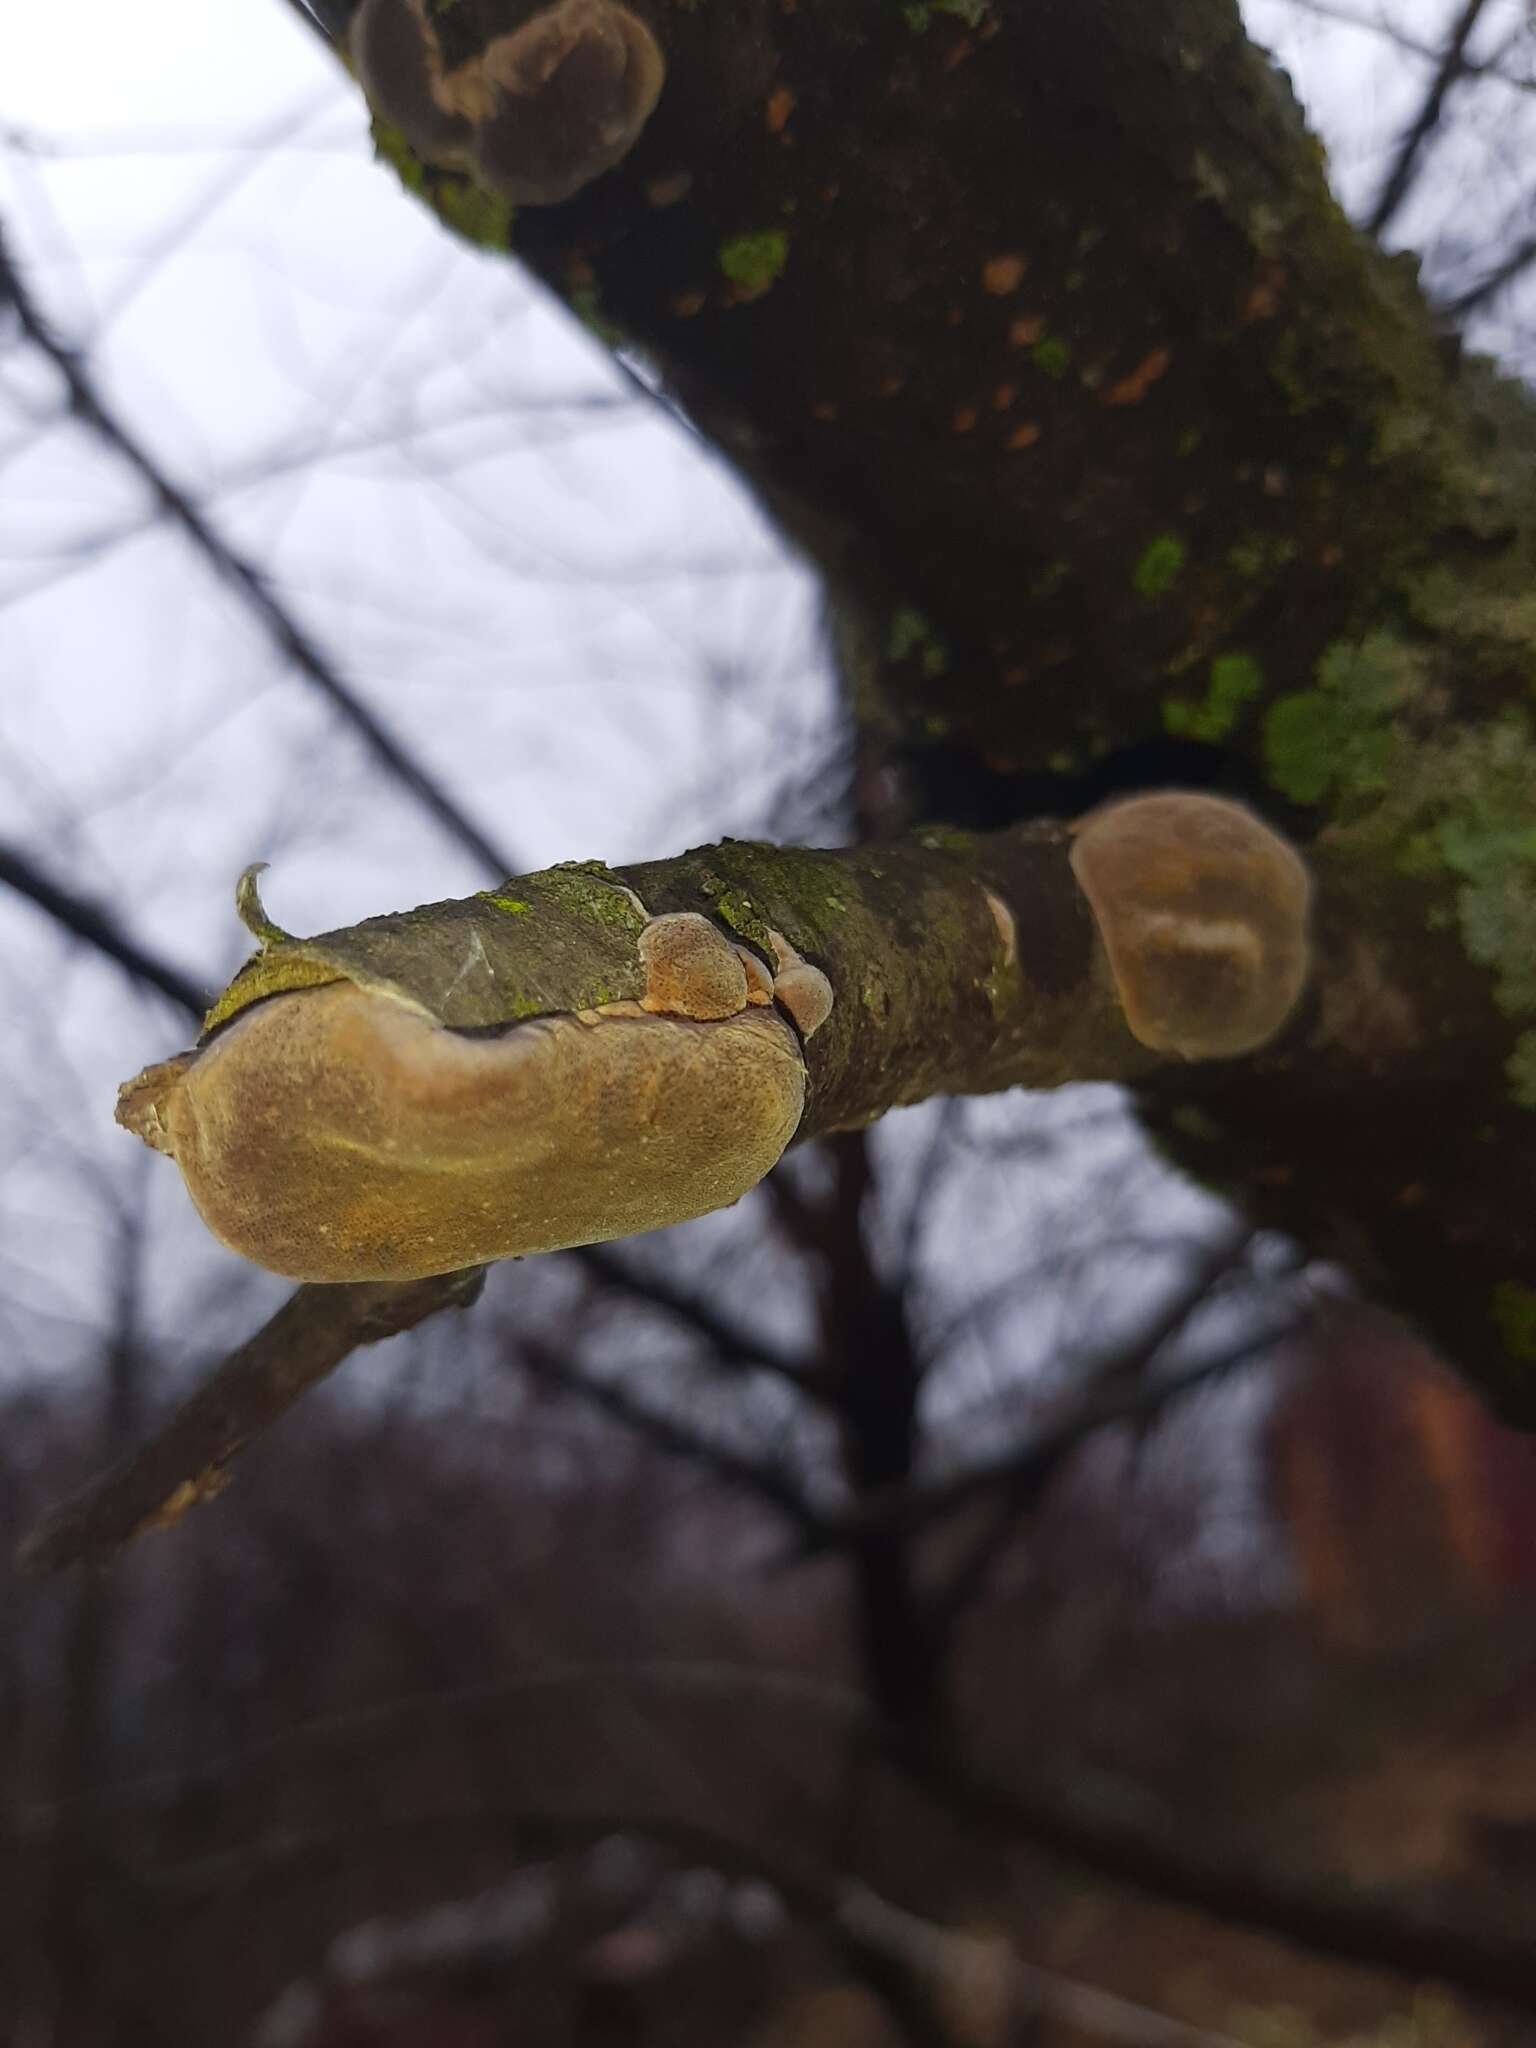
{"type": "Point", "coordinates": [735, 1343]}
{"type": "Point", "coordinates": [765, 1481]}
{"type": "Point", "coordinates": [187, 1461]}
{"type": "Point", "coordinates": [1503, 274]}
{"type": "Point", "coordinates": [99, 929]}
{"type": "Point", "coordinates": [292, 642]}
{"type": "Point", "coordinates": [1395, 186]}
{"type": "Point", "coordinates": [1167, 478]}
{"type": "Point", "coordinates": [1122, 1368]}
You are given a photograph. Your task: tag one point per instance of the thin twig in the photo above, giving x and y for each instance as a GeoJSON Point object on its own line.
{"type": "Point", "coordinates": [1402, 39]}
{"type": "Point", "coordinates": [187, 1460]}
{"type": "Point", "coordinates": [1452, 66]}
{"type": "Point", "coordinates": [291, 640]}
{"type": "Point", "coordinates": [1503, 274]}
{"type": "Point", "coordinates": [913, 1507]}
{"type": "Point", "coordinates": [97, 928]}
{"type": "Point", "coordinates": [769, 1482]}
{"type": "Point", "coordinates": [736, 1344]}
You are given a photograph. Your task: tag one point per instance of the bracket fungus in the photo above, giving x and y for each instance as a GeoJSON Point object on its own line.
{"type": "Point", "coordinates": [475, 1081]}
{"type": "Point", "coordinates": [1203, 912]}
{"type": "Point", "coordinates": [546, 106]}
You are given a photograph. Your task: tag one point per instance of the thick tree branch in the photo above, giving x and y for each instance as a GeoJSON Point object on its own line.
{"type": "Point", "coordinates": [315, 1331]}
{"type": "Point", "coordinates": [1129, 460]}
{"type": "Point", "coordinates": [1452, 66]}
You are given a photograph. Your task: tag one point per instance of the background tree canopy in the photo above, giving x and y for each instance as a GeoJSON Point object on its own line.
{"type": "Point", "coordinates": [1006, 1578]}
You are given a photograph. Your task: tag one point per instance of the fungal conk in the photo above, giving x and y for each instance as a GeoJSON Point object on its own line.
{"type": "Point", "coordinates": [541, 111]}
{"type": "Point", "coordinates": [1203, 911]}
{"type": "Point", "coordinates": [377, 1104]}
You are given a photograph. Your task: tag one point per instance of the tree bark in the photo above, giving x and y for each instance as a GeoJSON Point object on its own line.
{"type": "Point", "coordinates": [1129, 462]}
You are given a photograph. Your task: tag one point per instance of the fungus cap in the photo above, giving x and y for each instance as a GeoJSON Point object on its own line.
{"type": "Point", "coordinates": [1203, 912]}
{"type": "Point", "coordinates": [337, 1134]}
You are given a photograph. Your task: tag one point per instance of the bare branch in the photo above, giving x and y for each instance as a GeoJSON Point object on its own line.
{"type": "Point", "coordinates": [187, 1461]}
{"type": "Point", "coordinates": [767, 1481]}
{"type": "Point", "coordinates": [1452, 66]}
{"type": "Point", "coordinates": [99, 929]}
{"type": "Point", "coordinates": [1403, 39]}
{"type": "Point", "coordinates": [291, 640]}
{"type": "Point", "coordinates": [1503, 274]}
{"type": "Point", "coordinates": [1112, 1399]}
{"type": "Point", "coordinates": [735, 1344]}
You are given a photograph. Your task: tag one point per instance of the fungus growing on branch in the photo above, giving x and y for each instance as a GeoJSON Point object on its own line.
{"type": "Point", "coordinates": [1202, 909]}
{"type": "Point", "coordinates": [540, 112]}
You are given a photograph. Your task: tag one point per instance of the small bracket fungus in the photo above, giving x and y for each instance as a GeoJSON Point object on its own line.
{"type": "Point", "coordinates": [691, 968]}
{"type": "Point", "coordinates": [541, 111]}
{"type": "Point", "coordinates": [803, 989]}
{"type": "Point", "coordinates": [1203, 913]}
{"type": "Point", "coordinates": [382, 1103]}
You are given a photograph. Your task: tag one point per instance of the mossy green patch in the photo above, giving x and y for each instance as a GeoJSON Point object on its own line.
{"type": "Point", "coordinates": [391, 147]}
{"type": "Point", "coordinates": [513, 905]}
{"type": "Point", "coordinates": [946, 839]}
{"type": "Point", "coordinates": [592, 887]}
{"type": "Point", "coordinates": [1434, 801]}
{"type": "Point", "coordinates": [1514, 1315]}
{"type": "Point", "coordinates": [736, 908]}
{"type": "Point", "coordinates": [468, 209]}
{"type": "Point", "coordinates": [1521, 1069]}
{"type": "Point", "coordinates": [1339, 735]}
{"type": "Point", "coordinates": [910, 637]}
{"type": "Point", "coordinates": [1160, 565]}
{"type": "Point", "coordinates": [1051, 356]}
{"type": "Point", "coordinates": [1235, 679]}
{"type": "Point", "coordinates": [1260, 555]}
{"type": "Point", "coordinates": [585, 301]}
{"type": "Point", "coordinates": [755, 262]}
{"type": "Point", "coordinates": [481, 217]}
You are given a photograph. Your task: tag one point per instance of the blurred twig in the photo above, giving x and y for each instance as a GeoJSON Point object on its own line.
{"type": "Point", "coordinates": [89, 922]}
{"type": "Point", "coordinates": [1403, 39]}
{"type": "Point", "coordinates": [769, 1482]}
{"type": "Point", "coordinates": [1451, 67]}
{"type": "Point", "coordinates": [187, 1460]}
{"type": "Point", "coordinates": [1024, 1464]}
{"type": "Point", "coordinates": [1503, 274]}
{"type": "Point", "coordinates": [733, 1340]}
{"type": "Point", "coordinates": [292, 641]}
